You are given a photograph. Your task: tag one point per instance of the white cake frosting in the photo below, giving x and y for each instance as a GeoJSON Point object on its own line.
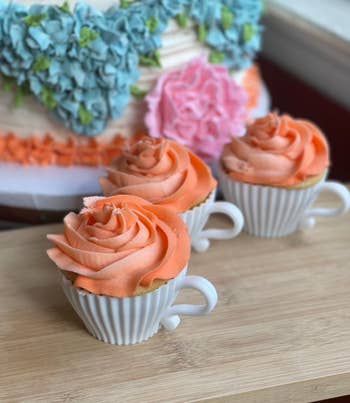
{"type": "Point", "coordinates": [180, 46]}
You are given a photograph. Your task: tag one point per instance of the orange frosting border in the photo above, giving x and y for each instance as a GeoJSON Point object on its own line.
{"type": "Point", "coordinates": [251, 84]}
{"type": "Point", "coordinates": [48, 151]}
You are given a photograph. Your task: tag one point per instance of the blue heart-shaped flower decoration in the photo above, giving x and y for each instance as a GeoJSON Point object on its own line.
{"type": "Point", "coordinates": [81, 64]}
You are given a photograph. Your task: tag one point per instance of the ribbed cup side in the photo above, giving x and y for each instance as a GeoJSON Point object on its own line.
{"type": "Point", "coordinates": [268, 211]}
{"type": "Point", "coordinates": [196, 218]}
{"type": "Point", "coordinates": [122, 321]}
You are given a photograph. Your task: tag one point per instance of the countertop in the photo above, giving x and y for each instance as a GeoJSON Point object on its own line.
{"type": "Point", "coordinates": [280, 332]}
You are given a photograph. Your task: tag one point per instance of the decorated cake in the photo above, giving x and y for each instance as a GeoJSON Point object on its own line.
{"type": "Point", "coordinates": [79, 80]}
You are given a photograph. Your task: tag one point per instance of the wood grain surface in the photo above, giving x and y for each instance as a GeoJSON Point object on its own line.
{"type": "Point", "coordinates": [280, 332]}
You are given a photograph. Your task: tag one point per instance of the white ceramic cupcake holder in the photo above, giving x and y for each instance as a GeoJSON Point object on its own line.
{"type": "Point", "coordinates": [125, 321]}
{"type": "Point", "coordinates": [197, 217]}
{"type": "Point", "coordinates": [274, 212]}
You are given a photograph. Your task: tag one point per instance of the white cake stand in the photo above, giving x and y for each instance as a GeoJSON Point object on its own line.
{"type": "Point", "coordinates": [50, 188]}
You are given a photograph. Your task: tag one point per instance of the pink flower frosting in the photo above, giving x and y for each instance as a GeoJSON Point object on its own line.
{"type": "Point", "coordinates": [199, 106]}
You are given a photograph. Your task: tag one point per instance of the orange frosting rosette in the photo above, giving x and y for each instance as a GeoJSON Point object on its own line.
{"type": "Point", "coordinates": [118, 244]}
{"type": "Point", "coordinates": [277, 151]}
{"type": "Point", "coordinates": [161, 171]}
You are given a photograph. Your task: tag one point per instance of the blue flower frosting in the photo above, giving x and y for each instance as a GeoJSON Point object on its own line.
{"type": "Point", "coordinates": [82, 64]}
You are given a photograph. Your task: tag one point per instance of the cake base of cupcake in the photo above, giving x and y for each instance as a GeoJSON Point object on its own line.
{"type": "Point", "coordinates": [197, 217]}
{"type": "Point", "coordinates": [122, 321]}
{"type": "Point", "coordinates": [270, 211]}
{"type": "Point", "coordinates": [195, 220]}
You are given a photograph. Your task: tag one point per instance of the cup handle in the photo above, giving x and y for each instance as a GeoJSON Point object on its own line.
{"type": "Point", "coordinates": [343, 194]}
{"type": "Point", "coordinates": [202, 243]}
{"type": "Point", "coordinates": [171, 319]}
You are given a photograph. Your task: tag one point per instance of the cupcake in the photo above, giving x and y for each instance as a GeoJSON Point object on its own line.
{"type": "Point", "coordinates": [275, 172]}
{"type": "Point", "coordinates": [170, 175]}
{"type": "Point", "coordinates": [122, 262]}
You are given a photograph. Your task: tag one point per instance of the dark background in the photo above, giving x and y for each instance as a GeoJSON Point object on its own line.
{"type": "Point", "coordinates": [291, 95]}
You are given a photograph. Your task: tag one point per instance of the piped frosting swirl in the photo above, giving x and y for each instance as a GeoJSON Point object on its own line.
{"type": "Point", "coordinates": [161, 171]}
{"type": "Point", "coordinates": [117, 244]}
{"type": "Point", "coordinates": [277, 151]}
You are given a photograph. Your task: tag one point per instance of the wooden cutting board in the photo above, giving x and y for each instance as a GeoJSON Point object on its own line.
{"type": "Point", "coordinates": [280, 332]}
